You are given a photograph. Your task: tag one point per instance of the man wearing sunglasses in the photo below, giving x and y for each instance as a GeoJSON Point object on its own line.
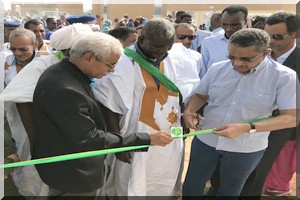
{"type": "Point", "coordinates": [185, 34]}
{"type": "Point", "coordinates": [281, 28]}
{"type": "Point", "coordinates": [246, 87]}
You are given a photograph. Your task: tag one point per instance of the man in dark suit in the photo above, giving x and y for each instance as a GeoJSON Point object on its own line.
{"type": "Point", "coordinates": [68, 119]}
{"type": "Point", "coordinates": [282, 29]}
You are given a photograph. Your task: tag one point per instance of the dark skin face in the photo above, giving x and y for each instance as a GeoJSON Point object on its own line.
{"type": "Point", "coordinates": [52, 25]}
{"type": "Point", "coordinates": [155, 47]}
{"type": "Point", "coordinates": [232, 23]}
{"type": "Point", "coordinates": [7, 31]}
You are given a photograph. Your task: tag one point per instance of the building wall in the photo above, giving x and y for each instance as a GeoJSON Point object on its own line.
{"type": "Point", "coordinates": [49, 9]}
{"type": "Point", "coordinates": [200, 12]}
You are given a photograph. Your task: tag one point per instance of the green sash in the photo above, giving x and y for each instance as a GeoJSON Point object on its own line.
{"type": "Point", "coordinates": [153, 71]}
{"type": "Point", "coordinates": [59, 55]}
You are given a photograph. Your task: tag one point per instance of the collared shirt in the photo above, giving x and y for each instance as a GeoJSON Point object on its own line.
{"type": "Point", "coordinates": [213, 49]}
{"type": "Point", "coordinates": [284, 56]}
{"type": "Point", "coordinates": [236, 98]}
{"type": "Point", "coordinates": [219, 30]}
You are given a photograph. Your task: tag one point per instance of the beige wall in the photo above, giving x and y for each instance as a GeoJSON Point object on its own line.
{"type": "Point", "coordinates": [200, 12]}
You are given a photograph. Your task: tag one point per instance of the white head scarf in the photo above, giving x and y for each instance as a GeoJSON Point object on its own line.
{"type": "Point", "coordinates": [64, 38]}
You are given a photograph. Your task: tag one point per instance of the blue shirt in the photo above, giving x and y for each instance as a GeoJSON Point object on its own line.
{"type": "Point", "coordinates": [48, 34]}
{"type": "Point", "coordinates": [236, 97]}
{"type": "Point", "coordinates": [213, 49]}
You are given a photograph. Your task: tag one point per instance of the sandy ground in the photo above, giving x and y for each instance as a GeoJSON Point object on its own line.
{"type": "Point", "coordinates": [187, 156]}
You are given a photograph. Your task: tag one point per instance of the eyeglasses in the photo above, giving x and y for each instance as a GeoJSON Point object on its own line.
{"type": "Point", "coordinates": [182, 37]}
{"type": "Point", "coordinates": [107, 63]}
{"type": "Point", "coordinates": [243, 59]}
{"type": "Point", "coordinates": [278, 36]}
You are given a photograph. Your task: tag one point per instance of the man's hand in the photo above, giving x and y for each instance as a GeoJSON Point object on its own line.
{"type": "Point", "coordinates": [14, 157]}
{"type": "Point", "coordinates": [160, 138]}
{"type": "Point", "coordinates": [232, 130]}
{"type": "Point", "coordinates": [192, 119]}
{"type": "Point", "coordinates": [124, 157]}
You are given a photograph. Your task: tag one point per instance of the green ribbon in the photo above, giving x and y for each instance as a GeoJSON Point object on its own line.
{"type": "Point", "coordinates": [153, 71]}
{"type": "Point", "coordinates": [212, 130]}
{"type": "Point", "coordinates": [102, 152]}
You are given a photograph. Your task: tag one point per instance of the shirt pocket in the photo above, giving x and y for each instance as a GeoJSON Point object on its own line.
{"type": "Point", "coordinates": [260, 101]}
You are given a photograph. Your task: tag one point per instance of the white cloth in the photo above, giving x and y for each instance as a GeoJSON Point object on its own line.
{"type": "Point", "coordinates": [11, 71]}
{"type": "Point", "coordinates": [186, 71]}
{"type": "Point", "coordinates": [22, 86]}
{"type": "Point", "coordinates": [6, 48]}
{"type": "Point", "coordinates": [64, 38]}
{"type": "Point", "coordinates": [46, 49]}
{"type": "Point", "coordinates": [152, 173]}
{"type": "Point", "coordinates": [20, 90]}
{"type": "Point", "coordinates": [219, 30]}
{"type": "Point", "coordinates": [236, 98]}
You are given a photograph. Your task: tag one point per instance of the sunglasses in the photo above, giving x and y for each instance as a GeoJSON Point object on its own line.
{"type": "Point", "coordinates": [182, 37]}
{"type": "Point", "coordinates": [278, 36]}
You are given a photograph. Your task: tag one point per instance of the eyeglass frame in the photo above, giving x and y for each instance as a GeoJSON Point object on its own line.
{"type": "Point", "coordinates": [190, 37]}
{"type": "Point", "coordinates": [244, 59]}
{"type": "Point", "coordinates": [107, 63]}
{"type": "Point", "coordinates": [281, 37]}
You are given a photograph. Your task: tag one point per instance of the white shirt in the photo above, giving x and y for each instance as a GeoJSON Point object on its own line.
{"type": "Point", "coordinates": [219, 30]}
{"type": "Point", "coordinates": [213, 49]}
{"type": "Point", "coordinates": [186, 68]}
{"type": "Point", "coordinates": [236, 98]}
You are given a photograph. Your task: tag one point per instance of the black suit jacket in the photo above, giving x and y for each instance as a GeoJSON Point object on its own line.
{"type": "Point", "coordinates": [68, 119]}
{"type": "Point", "coordinates": [281, 136]}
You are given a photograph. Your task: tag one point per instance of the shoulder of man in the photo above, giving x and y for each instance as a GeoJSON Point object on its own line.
{"type": "Point", "coordinates": [211, 39]}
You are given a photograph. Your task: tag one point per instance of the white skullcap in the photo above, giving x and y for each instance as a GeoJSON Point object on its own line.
{"type": "Point", "coordinates": [63, 38]}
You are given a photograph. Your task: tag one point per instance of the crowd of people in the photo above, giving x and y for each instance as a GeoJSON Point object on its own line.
{"type": "Point", "coordinates": [91, 85]}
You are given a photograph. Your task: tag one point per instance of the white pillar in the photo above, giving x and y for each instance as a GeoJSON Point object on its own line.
{"type": "Point", "coordinates": [6, 5]}
{"type": "Point", "coordinates": [105, 9]}
{"type": "Point", "coordinates": [157, 8]}
{"type": "Point", "coordinates": [87, 6]}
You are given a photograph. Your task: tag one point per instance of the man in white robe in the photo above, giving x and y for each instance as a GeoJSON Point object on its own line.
{"type": "Point", "coordinates": [143, 104]}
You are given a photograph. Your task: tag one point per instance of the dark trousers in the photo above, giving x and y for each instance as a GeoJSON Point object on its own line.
{"type": "Point", "coordinates": [234, 169]}
{"type": "Point", "coordinates": [255, 182]}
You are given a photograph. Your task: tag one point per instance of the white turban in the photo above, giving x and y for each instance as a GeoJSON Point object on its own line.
{"type": "Point", "coordinates": [64, 38]}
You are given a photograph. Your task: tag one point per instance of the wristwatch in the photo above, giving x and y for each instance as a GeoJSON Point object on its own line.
{"type": "Point", "coordinates": [253, 128]}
